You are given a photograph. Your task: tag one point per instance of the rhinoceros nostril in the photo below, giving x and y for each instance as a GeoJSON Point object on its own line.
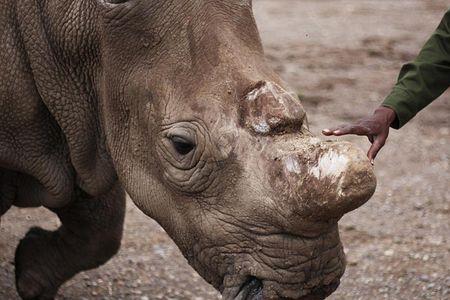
{"type": "Point", "coordinates": [251, 289]}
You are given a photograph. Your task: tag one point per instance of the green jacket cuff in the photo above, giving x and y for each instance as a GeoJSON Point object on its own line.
{"type": "Point", "coordinates": [404, 106]}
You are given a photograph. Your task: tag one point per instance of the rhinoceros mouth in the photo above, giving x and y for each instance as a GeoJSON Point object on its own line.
{"type": "Point", "coordinates": [319, 284]}
{"type": "Point", "coordinates": [252, 289]}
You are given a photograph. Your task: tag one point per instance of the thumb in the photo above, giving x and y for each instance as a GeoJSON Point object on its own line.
{"type": "Point", "coordinates": [377, 144]}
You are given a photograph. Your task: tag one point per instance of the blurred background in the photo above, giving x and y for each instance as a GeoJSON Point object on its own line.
{"type": "Point", "coordinates": [342, 57]}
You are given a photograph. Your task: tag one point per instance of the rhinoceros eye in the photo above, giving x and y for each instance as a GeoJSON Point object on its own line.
{"type": "Point", "coordinates": [182, 145]}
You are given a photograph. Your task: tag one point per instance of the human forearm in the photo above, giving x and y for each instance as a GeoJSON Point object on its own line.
{"type": "Point", "coordinates": [423, 80]}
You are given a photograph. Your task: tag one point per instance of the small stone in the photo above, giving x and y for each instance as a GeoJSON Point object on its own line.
{"type": "Point", "coordinates": [352, 263]}
{"type": "Point", "coordinates": [398, 240]}
{"type": "Point", "coordinates": [418, 206]}
{"type": "Point", "coordinates": [349, 227]}
{"type": "Point", "coordinates": [436, 241]}
{"type": "Point", "coordinates": [388, 252]}
{"type": "Point", "coordinates": [444, 131]}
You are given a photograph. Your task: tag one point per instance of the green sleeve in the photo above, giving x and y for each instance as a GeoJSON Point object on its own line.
{"type": "Point", "coordinates": [423, 80]}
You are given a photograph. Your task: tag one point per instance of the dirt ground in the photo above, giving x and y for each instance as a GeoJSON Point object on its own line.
{"type": "Point", "coordinates": [342, 57]}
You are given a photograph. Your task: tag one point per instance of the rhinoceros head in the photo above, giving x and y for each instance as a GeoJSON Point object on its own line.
{"type": "Point", "coordinates": [209, 142]}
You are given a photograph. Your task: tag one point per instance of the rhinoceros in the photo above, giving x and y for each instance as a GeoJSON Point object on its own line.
{"type": "Point", "coordinates": [173, 103]}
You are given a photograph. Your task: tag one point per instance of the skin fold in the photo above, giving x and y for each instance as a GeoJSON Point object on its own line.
{"type": "Point", "coordinates": [174, 103]}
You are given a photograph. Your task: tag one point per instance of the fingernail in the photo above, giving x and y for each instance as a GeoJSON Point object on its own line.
{"type": "Point", "coordinates": [372, 162]}
{"type": "Point", "coordinates": [326, 130]}
{"type": "Point", "coordinates": [336, 131]}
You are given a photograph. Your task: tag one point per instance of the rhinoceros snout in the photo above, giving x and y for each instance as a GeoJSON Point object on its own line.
{"type": "Point", "coordinates": [356, 186]}
{"type": "Point", "coordinates": [321, 181]}
{"type": "Point", "coordinates": [338, 178]}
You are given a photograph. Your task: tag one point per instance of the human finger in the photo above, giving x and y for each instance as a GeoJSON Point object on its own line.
{"type": "Point", "coordinates": [378, 143]}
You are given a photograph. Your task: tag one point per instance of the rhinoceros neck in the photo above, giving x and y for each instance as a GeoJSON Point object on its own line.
{"type": "Point", "coordinates": [62, 45]}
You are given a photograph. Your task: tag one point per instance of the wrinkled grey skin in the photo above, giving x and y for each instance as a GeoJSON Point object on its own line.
{"type": "Point", "coordinates": [174, 102]}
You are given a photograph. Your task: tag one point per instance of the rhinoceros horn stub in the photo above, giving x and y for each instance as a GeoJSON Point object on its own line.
{"type": "Point", "coordinates": [267, 109]}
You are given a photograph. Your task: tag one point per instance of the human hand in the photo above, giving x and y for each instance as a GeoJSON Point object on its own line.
{"type": "Point", "coordinates": [375, 127]}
